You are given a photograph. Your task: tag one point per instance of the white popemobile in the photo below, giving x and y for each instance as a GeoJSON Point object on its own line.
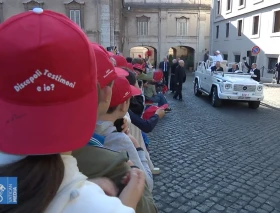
{"type": "Point", "coordinates": [237, 86]}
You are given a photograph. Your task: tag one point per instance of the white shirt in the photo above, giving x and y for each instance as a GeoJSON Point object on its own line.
{"type": "Point", "coordinates": [76, 194]}
{"type": "Point", "coordinates": [216, 58]}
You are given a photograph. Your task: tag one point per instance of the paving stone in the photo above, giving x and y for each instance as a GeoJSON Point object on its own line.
{"type": "Point", "coordinates": [242, 171]}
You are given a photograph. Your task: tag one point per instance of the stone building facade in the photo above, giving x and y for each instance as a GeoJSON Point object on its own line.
{"type": "Point", "coordinates": [166, 27]}
{"type": "Point", "coordinates": [239, 25]}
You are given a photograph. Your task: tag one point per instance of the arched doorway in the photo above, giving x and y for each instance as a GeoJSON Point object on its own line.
{"type": "Point", "coordinates": [137, 51]}
{"type": "Point", "coordinates": [184, 53]}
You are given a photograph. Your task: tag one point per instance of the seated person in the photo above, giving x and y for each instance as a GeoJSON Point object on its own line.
{"type": "Point", "coordinates": [217, 67]}
{"type": "Point", "coordinates": [233, 68]}
{"type": "Point", "coordinates": [151, 95]}
{"type": "Point", "coordinates": [122, 91]}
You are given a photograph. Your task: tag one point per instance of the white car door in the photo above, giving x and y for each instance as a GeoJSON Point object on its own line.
{"type": "Point", "coordinates": [208, 80]}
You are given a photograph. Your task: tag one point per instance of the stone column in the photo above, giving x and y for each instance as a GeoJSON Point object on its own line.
{"type": "Point", "coordinates": [105, 23]}
{"type": "Point", "coordinates": [162, 49]}
{"type": "Point", "coordinates": [201, 36]}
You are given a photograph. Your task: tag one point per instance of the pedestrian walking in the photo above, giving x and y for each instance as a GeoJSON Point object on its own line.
{"type": "Point", "coordinates": [180, 78]}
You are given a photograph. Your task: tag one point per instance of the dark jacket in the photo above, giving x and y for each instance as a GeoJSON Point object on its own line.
{"type": "Point", "coordinates": [230, 70]}
{"type": "Point", "coordinates": [257, 72]}
{"type": "Point", "coordinates": [277, 65]}
{"type": "Point", "coordinates": [137, 105]}
{"type": "Point", "coordinates": [180, 75]}
{"type": "Point", "coordinates": [173, 68]}
{"type": "Point", "coordinates": [161, 66]}
{"type": "Point", "coordinates": [144, 125]}
{"type": "Point", "coordinates": [214, 68]}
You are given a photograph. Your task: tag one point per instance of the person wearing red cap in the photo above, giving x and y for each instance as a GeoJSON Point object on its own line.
{"type": "Point", "coordinates": [122, 91]}
{"type": "Point", "coordinates": [48, 107]}
{"type": "Point", "coordinates": [94, 160]}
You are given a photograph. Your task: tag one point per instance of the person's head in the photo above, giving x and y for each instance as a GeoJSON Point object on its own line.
{"type": "Point", "coordinates": [218, 64]}
{"type": "Point", "coordinates": [254, 66]}
{"type": "Point", "coordinates": [181, 63]}
{"type": "Point", "coordinates": [165, 59]}
{"type": "Point", "coordinates": [138, 69]}
{"type": "Point", "coordinates": [174, 61]}
{"type": "Point", "coordinates": [129, 60]}
{"type": "Point", "coordinates": [120, 61]}
{"type": "Point", "coordinates": [234, 66]}
{"type": "Point", "coordinates": [122, 91]}
{"type": "Point", "coordinates": [131, 77]}
{"type": "Point", "coordinates": [48, 102]}
{"type": "Point", "coordinates": [217, 52]}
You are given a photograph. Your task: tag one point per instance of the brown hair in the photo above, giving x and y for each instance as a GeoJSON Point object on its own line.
{"type": "Point", "coordinates": [39, 178]}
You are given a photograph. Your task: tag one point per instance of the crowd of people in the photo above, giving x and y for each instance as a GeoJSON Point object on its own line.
{"type": "Point", "coordinates": [74, 119]}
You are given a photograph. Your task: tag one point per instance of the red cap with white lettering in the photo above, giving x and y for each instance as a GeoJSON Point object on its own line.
{"type": "Point", "coordinates": [122, 91]}
{"type": "Point", "coordinates": [48, 84]}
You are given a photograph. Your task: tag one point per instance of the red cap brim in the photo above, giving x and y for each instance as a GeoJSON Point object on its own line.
{"type": "Point", "coordinates": [49, 129]}
{"type": "Point", "coordinates": [135, 91]}
{"type": "Point", "coordinates": [165, 106]}
{"type": "Point", "coordinates": [121, 72]}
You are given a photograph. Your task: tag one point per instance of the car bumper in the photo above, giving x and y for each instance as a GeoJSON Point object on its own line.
{"type": "Point", "coordinates": [239, 97]}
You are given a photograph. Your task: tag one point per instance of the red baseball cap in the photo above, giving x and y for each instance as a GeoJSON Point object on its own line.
{"type": "Point", "coordinates": [138, 67]}
{"type": "Point", "coordinates": [151, 111]}
{"type": "Point", "coordinates": [48, 95]}
{"type": "Point", "coordinates": [122, 91]}
{"type": "Point", "coordinates": [120, 60]}
{"type": "Point", "coordinates": [130, 66]}
{"type": "Point", "coordinates": [106, 72]}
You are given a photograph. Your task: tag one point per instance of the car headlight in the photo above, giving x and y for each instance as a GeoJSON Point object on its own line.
{"type": "Point", "coordinates": [228, 86]}
{"type": "Point", "coordinates": [259, 88]}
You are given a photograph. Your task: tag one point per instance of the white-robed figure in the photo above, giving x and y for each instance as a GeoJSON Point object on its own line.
{"type": "Point", "coordinates": [216, 57]}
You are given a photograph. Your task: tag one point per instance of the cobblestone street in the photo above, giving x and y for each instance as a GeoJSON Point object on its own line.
{"type": "Point", "coordinates": [218, 159]}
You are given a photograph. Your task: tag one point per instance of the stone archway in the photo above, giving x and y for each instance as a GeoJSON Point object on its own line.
{"type": "Point", "coordinates": [185, 53]}
{"type": "Point", "coordinates": [137, 51]}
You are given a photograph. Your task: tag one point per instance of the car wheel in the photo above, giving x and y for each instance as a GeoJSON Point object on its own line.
{"type": "Point", "coordinates": [216, 101]}
{"type": "Point", "coordinates": [196, 89]}
{"type": "Point", "coordinates": [254, 104]}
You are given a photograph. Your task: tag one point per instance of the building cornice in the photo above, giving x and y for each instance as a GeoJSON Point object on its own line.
{"type": "Point", "coordinates": [169, 6]}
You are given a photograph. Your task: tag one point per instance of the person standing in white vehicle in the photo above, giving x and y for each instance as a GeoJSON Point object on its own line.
{"type": "Point", "coordinates": [48, 107]}
{"type": "Point", "coordinates": [216, 57]}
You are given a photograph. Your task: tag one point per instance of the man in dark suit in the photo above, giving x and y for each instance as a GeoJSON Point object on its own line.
{"type": "Point", "coordinates": [172, 79]}
{"type": "Point", "coordinates": [277, 65]}
{"type": "Point", "coordinates": [164, 66]}
{"type": "Point", "coordinates": [180, 78]}
{"type": "Point", "coordinates": [256, 73]}
{"type": "Point", "coordinates": [217, 67]}
{"type": "Point", "coordinates": [233, 68]}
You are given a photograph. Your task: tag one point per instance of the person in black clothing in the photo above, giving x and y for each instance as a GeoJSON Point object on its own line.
{"type": "Point", "coordinates": [180, 78]}
{"type": "Point", "coordinates": [256, 73]}
{"type": "Point", "coordinates": [172, 79]}
{"type": "Point", "coordinates": [217, 67]}
{"type": "Point", "coordinates": [277, 65]}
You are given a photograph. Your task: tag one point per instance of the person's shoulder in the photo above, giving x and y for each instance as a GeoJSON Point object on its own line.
{"type": "Point", "coordinates": [91, 198]}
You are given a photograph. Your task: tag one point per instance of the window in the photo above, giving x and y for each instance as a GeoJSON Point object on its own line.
{"type": "Point", "coordinates": [241, 2]}
{"type": "Point", "coordinates": [75, 15]}
{"type": "Point", "coordinates": [272, 62]}
{"type": "Point", "coordinates": [227, 30]}
{"type": "Point", "coordinates": [276, 27]}
{"type": "Point", "coordinates": [228, 4]}
{"type": "Point", "coordinates": [218, 7]}
{"type": "Point", "coordinates": [182, 24]}
{"type": "Point", "coordinates": [252, 59]}
{"type": "Point", "coordinates": [239, 27]}
{"type": "Point", "coordinates": [237, 58]}
{"type": "Point", "coordinates": [225, 57]}
{"type": "Point", "coordinates": [75, 11]}
{"type": "Point", "coordinates": [142, 25]}
{"type": "Point", "coordinates": [256, 20]}
{"type": "Point", "coordinates": [31, 4]}
{"type": "Point", "coordinates": [217, 31]}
